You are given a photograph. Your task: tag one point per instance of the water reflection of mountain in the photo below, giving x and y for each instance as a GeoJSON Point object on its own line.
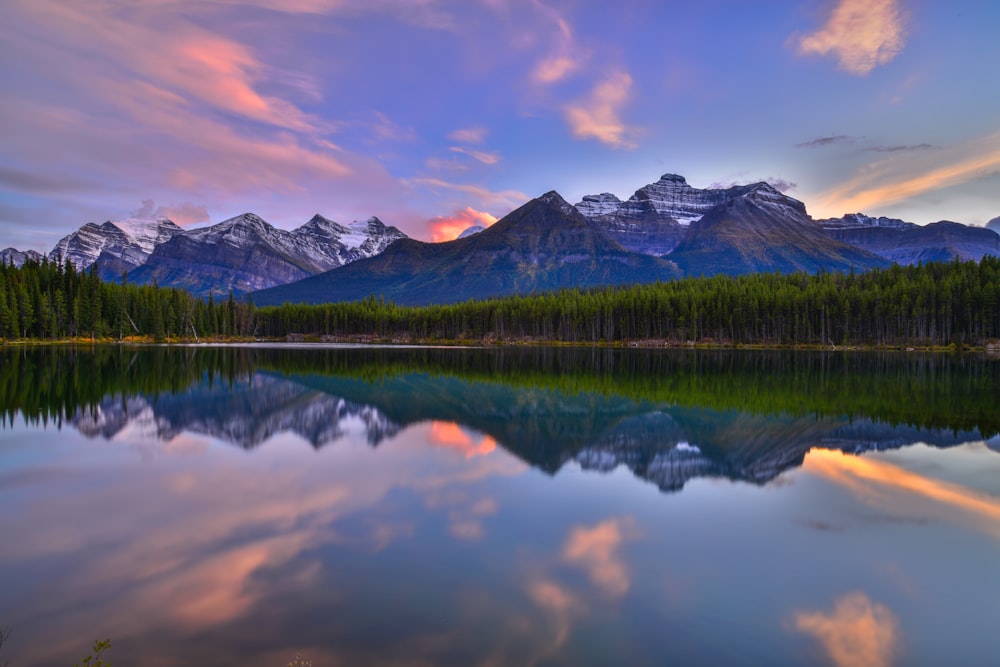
{"type": "Point", "coordinates": [244, 412]}
{"type": "Point", "coordinates": [666, 444]}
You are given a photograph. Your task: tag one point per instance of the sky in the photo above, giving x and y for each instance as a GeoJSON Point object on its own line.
{"type": "Point", "coordinates": [437, 114]}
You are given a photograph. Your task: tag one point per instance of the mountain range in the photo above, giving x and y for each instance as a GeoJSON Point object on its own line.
{"type": "Point", "coordinates": [665, 230]}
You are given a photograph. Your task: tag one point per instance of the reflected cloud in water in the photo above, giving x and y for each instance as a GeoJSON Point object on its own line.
{"type": "Point", "coordinates": [857, 633]}
{"type": "Point", "coordinates": [597, 550]}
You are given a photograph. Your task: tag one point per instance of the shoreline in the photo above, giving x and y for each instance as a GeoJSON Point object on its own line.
{"type": "Point", "coordinates": [990, 348]}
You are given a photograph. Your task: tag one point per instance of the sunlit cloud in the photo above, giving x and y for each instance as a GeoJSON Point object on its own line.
{"type": "Point", "coordinates": [860, 34]}
{"type": "Point", "coordinates": [857, 631]}
{"type": "Point", "coordinates": [551, 70]}
{"type": "Point", "coordinates": [562, 60]}
{"type": "Point", "coordinates": [448, 228]}
{"type": "Point", "coordinates": [480, 156]}
{"type": "Point", "coordinates": [598, 116]}
{"type": "Point", "coordinates": [864, 476]}
{"type": "Point", "coordinates": [905, 174]}
{"type": "Point", "coordinates": [597, 550]}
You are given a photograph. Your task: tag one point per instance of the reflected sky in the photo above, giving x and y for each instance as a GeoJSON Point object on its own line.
{"type": "Point", "coordinates": [441, 543]}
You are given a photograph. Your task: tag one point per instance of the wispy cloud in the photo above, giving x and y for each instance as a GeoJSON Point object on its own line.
{"type": "Point", "coordinates": [906, 174]}
{"type": "Point", "coordinates": [486, 198]}
{"type": "Point", "coordinates": [822, 142]}
{"type": "Point", "coordinates": [779, 184]}
{"type": "Point", "coordinates": [857, 631]}
{"type": "Point", "coordinates": [860, 34]}
{"type": "Point", "coordinates": [563, 59]}
{"type": "Point", "coordinates": [185, 213]}
{"type": "Point", "coordinates": [598, 115]}
{"type": "Point", "coordinates": [899, 148]}
{"type": "Point", "coordinates": [448, 227]}
{"type": "Point", "coordinates": [469, 135]}
{"type": "Point", "coordinates": [479, 156]}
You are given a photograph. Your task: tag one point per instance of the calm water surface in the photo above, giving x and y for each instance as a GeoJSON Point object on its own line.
{"type": "Point", "coordinates": [358, 506]}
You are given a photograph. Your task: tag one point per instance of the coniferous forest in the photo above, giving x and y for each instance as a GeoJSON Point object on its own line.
{"type": "Point", "coordinates": [926, 305]}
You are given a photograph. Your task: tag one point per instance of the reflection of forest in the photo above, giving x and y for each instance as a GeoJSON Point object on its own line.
{"type": "Point", "coordinates": [667, 415]}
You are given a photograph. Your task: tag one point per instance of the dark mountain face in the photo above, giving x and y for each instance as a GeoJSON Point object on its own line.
{"type": "Point", "coordinates": [907, 243]}
{"type": "Point", "coordinates": [759, 230]}
{"type": "Point", "coordinates": [544, 245]}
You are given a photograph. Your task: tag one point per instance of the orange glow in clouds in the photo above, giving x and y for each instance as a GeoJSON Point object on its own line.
{"type": "Point", "coordinates": [447, 228]}
{"type": "Point", "coordinates": [861, 475]}
{"type": "Point", "coordinates": [450, 435]}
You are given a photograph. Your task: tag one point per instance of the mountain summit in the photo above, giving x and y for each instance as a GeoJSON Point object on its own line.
{"type": "Point", "coordinates": [760, 229]}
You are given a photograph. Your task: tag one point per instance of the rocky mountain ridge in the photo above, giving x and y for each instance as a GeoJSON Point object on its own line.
{"type": "Point", "coordinates": [241, 254]}
{"type": "Point", "coordinates": [733, 230]}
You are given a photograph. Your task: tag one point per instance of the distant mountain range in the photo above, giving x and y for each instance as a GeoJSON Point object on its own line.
{"type": "Point", "coordinates": [665, 230]}
{"type": "Point", "coordinates": [242, 254]}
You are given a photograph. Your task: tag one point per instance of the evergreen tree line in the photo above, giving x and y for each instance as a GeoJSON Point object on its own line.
{"type": "Point", "coordinates": [928, 304]}
{"type": "Point", "coordinates": [48, 300]}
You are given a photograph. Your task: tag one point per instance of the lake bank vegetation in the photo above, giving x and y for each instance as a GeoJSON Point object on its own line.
{"type": "Point", "coordinates": [928, 305]}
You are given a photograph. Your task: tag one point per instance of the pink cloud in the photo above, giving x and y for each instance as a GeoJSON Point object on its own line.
{"type": "Point", "coordinates": [598, 115]}
{"type": "Point", "coordinates": [563, 60]}
{"type": "Point", "coordinates": [860, 34]}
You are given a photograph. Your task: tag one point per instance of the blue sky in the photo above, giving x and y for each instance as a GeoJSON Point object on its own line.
{"type": "Point", "coordinates": [435, 114]}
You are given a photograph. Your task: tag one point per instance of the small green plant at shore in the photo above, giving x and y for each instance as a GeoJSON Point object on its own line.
{"type": "Point", "coordinates": [95, 659]}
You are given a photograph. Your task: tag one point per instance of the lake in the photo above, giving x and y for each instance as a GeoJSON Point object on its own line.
{"type": "Point", "coordinates": [521, 506]}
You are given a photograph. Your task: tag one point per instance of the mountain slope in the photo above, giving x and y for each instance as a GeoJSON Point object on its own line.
{"type": "Point", "coordinates": [759, 229]}
{"type": "Point", "coordinates": [544, 245]}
